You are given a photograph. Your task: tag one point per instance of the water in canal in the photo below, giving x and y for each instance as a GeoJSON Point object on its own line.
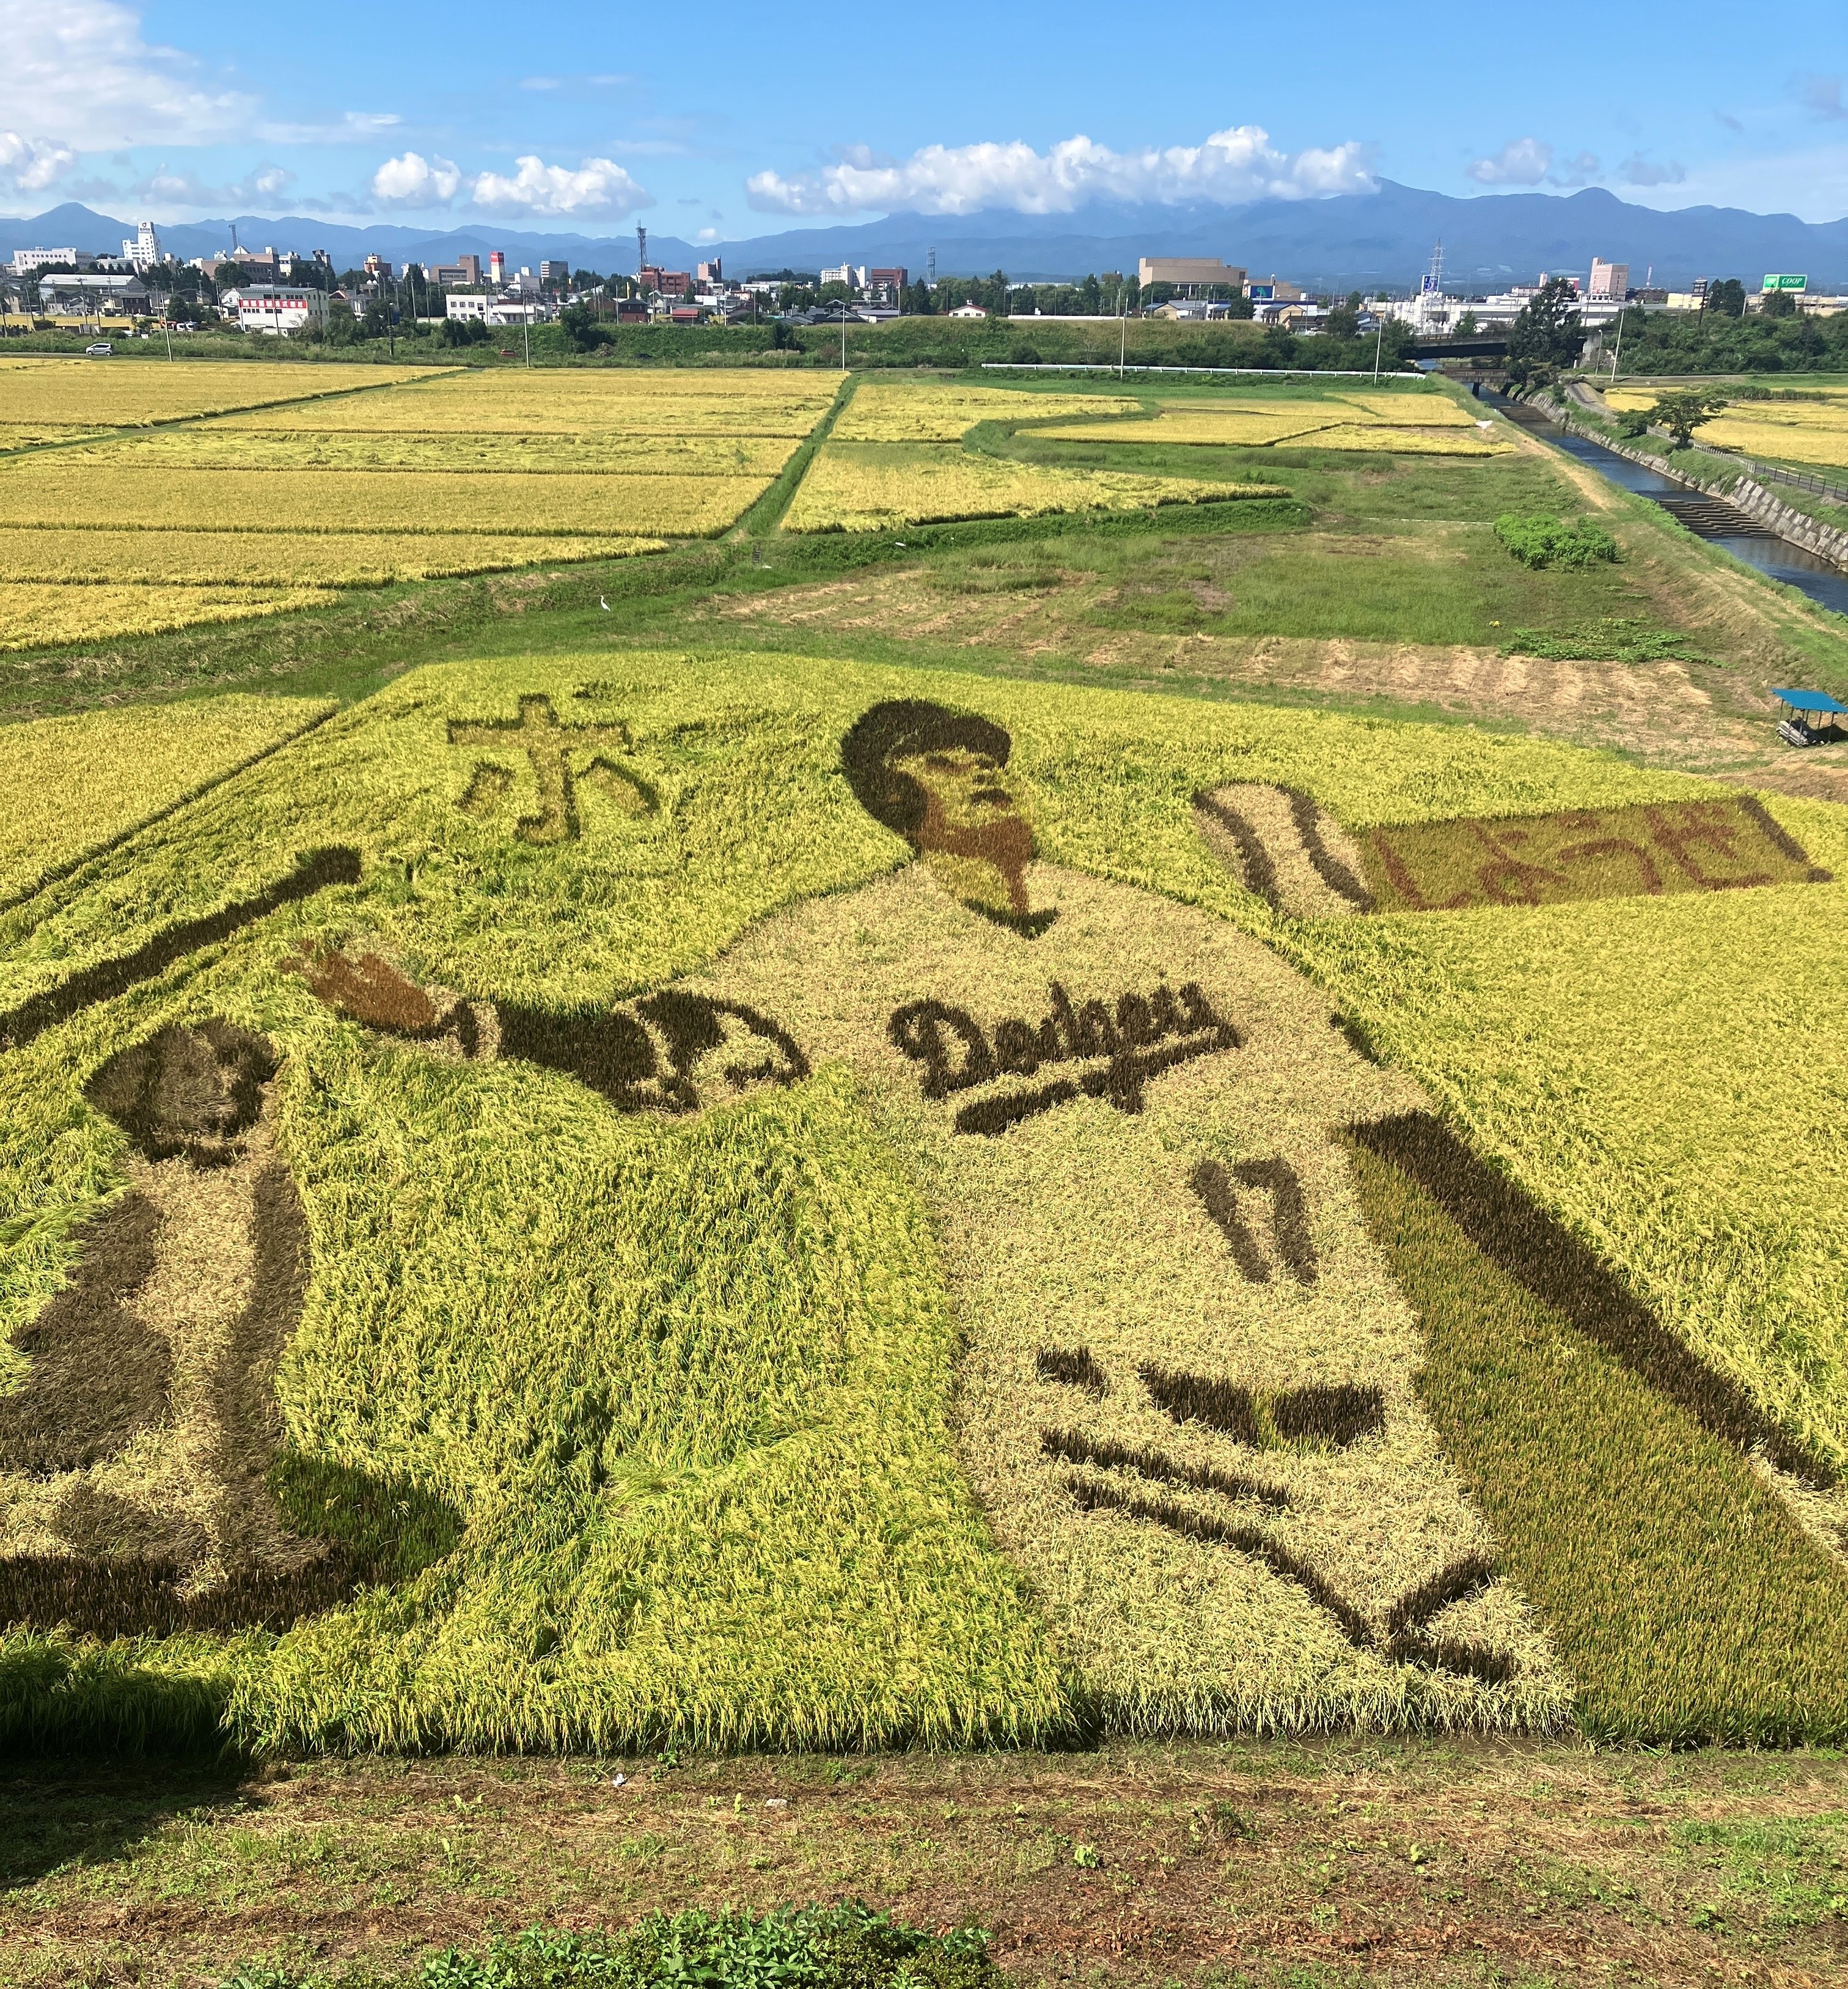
{"type": "Point", "coordinates": [1807, 571]}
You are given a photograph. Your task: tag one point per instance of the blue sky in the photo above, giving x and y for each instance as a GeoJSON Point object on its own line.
{"type": "Point", "coordinates": [728, 120]}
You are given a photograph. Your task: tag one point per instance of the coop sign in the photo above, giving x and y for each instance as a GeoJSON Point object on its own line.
{"type": "Point", "coordinates": [1785, 283]}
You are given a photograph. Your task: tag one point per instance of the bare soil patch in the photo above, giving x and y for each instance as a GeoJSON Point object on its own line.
{"type": "Point", "coordinates": [1674, 713]}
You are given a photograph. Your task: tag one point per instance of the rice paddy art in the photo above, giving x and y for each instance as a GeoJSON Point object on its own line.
{"type": "Point", "coordinates": [1286, 850]}
{"type": "Point", "coordinates": [773, 1202]}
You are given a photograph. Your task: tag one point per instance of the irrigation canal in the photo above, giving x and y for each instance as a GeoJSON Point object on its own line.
{"type": "Point", "coordinates": [1708, 517]}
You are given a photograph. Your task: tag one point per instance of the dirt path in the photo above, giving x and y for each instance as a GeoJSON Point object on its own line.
{"type": "Point", "coordinates": [1425, 1863]}
{"type": "Point", "coordinates": [1672, 712]}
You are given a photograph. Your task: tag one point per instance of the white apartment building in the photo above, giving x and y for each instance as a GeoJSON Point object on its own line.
{"type": "Point", "coordinates": [848, 273]}
{"type": "Point", "coordinates": [26, 260]}
{"type": "Point", "coordinates": [144, 251]}
{"type": "Point", "coordinates": [274, 308]}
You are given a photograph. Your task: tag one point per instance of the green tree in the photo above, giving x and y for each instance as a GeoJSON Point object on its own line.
{"type": "Point", "coordinates": [1342, 322]}
{"type": "Point", "coordinates": [1683, 410]}
{"type": "Point", "coordinates": [1466, 325]}
{"type": "Point", "coordinates": [1779, 304]}
{"type": "Point", "coordinates": [1545, 336]}
{"type": "Point", "coordinates": [1726, 298]}
{"type": "Point", "coordinates": [581, 331]}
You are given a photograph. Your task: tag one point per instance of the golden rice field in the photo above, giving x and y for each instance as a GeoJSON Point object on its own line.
{"type": "Point", "coordinates": [39, 614]}
{"type": "Point", "coordinates": [74, 785]}
{"type": "Point", "coordinates": [389, 475]}
{"type": "Point", "coordinates": [216, 446]}
{"type": "Point", "coordinates": [59, 554]}
{"type": "Point", "coordinates": [1809, 431]}
{"type": "Point", "coordinates": [1413, 423]}
{"type": "Point", "coordinates": [899, 410]}
{"type": "Point", "coordinates": [866, 486]}
{"type": "Point", "coordinates": [410, 501]}
{"type": "Point", "coordinates": [551, 402]}
{"type": "Point", "coordinates": [48, 397]}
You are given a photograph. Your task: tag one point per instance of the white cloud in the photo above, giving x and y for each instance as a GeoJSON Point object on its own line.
{"type": "Point", "coordinates": [1639, 171]}
{"type": "Point", "coordinates": [616, 80]}
{"type": "Point", "coordinates": [707, 235]}
{"type": "Point", "coordinates": [1521, 162]}
{"type": "Point", "coordinates": [169, 189]}
{"type": "Point", "coordinates": [29, 165]}
{"type": "Point", "coordinates": [351, 127]}
{"type": "Point", "coordinates": [1238, 164]}
{"type": "Point", "coordinates": [77, 74]}
{"type": "Point", "coordinates": [411, 180]}
{"type": "Point", "coordinates": [1529, 161]}
{"type": "Point", "coordinates": [598, 186]}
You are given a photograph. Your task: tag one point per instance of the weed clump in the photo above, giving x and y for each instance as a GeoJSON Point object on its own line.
{"type": "Point", "coordinates": [845, 1946]}
{"type": "Point", "coordinates": [1537, 540]}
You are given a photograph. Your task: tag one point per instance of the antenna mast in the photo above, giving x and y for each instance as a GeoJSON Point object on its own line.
{"type": "Point", "coordinates": [641, 248]}
{"type": "Point", "coordinates": [1433, 277]}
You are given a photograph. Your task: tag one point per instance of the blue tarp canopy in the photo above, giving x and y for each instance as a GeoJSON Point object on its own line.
{"type": "Point", "coordinates": [1809, 700]}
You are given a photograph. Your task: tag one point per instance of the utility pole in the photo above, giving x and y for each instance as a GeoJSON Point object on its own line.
{"type": "Point", "coordinates": [1618, 353]}
{"type": "Point", "coordinates": [1378, 339]}
{"type": "Point", "coordinates": [1122, 336]}
{"type": "Point", "coordinates": [526, 332]}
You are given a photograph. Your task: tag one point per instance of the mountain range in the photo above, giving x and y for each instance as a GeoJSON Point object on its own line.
{"type": "Point", "coordinates": [1381, 239]}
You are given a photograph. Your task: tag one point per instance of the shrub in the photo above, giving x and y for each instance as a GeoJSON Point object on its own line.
{"type": "Point", "coordinates": [1536, 540]}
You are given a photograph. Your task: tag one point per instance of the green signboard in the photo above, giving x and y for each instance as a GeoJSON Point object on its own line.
{"type": "Point", "coordinates": [1786, 282]}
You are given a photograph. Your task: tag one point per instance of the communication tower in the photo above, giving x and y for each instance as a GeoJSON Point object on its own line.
{"type": "Point", "coordinates": [641, 248]}
{"type": "Point", "coordinates": [1432, 285]}
{"type": "Point", "coordinates": [930, 267]}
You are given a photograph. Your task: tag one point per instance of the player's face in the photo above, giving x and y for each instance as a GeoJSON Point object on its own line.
{"type": "Point", "coordinates": [974, 836]}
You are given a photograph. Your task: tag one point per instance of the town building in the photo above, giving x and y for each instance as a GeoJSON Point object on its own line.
{"type": "Point", "coordinates": [88, 295]}
{"type": "Point", "coordinates": [553, 274]}
{"type": "Point", "coordinates": [463, 274]}
{"type": "Point", "coordinates": [376, 268]}
{"type": "Point", "coordinates": [885, 287]}
{"type": "Point", "coordinates": [1609, 281]}
{"type": "Point", "coordinates": [276, 309]}
{"type": "Point", "coordinates": [967, 310]}
{"type": "Point", "coordinates": [26, 260]}
{"type": "Point", "coordinates": [497, 267]}
{"type": "Point", "coordinates": [854, 278]}
{"type": "Point", "coordinates": [144, 253]}
{"type": "Point", "coordinates": [710, 272]}
{"type": "Point", "coordinates": [1190, 272]}
{"type": "Point", "coordinates": [259, 264]}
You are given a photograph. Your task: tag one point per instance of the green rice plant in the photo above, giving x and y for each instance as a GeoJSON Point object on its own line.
{"type": "Point", "coordinates": [1536, 540]}
{"type": "Point", "coordinates": [1689, 1604]}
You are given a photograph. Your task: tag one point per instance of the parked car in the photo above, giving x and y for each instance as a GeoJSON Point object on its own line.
{"type": "Point", "coordinates": [101, 350]}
